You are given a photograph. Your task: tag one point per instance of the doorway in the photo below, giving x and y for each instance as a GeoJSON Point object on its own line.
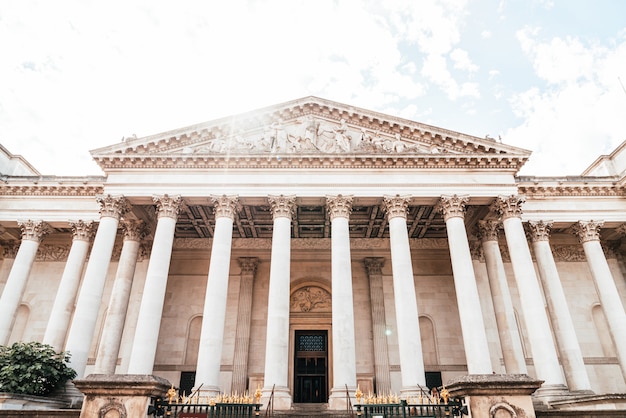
{"type": "Point", "coordinates": [311, 367]}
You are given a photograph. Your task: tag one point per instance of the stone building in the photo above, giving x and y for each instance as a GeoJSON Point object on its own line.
{"type": "Point", "coordinates": [312, 247]}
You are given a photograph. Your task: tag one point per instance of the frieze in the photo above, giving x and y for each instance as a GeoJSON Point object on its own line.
{"type": "Point", "coordinates": [310, 243]}
{"type": "Point", "coordinates": [83, 190]}
{"type": "Point", "coordinates": [568, 253]}
{"type": "Point", "coordinates": [540, 190]}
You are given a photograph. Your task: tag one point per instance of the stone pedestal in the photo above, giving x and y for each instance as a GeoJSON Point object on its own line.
{"type": "Point", "coordinates": [496, 395]}
{"type": "Point", "coordinates": [119, 394]}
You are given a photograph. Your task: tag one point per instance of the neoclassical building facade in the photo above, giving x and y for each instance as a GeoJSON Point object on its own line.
{"type": "Point", "coordinates": [312, 247]}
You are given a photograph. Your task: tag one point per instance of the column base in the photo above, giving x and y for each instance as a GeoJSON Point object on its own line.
{"type": "Point", "coordinates": [341, 398]}
{"type": "Point", "coordinates": [278, 398]}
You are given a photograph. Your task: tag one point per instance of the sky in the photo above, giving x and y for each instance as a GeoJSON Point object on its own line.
{"type": "Point", "coordinates": [543, 75]}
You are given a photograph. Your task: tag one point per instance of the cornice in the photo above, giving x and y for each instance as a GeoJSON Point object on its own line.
{"type": "Point", "coordinates": [567, 189]}
{"type": "Point", "coordinates": [52, 186]}
{"type": "Point", "coordinates": [291, 161]}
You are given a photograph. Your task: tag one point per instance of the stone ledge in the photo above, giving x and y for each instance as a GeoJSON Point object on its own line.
{"type": "Point", "coordinates": [493, 384]}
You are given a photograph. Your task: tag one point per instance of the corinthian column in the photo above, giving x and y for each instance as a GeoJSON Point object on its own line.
{"type": "Point", "coordinates": [407, 319]}
{"type": "Point", "coordinates": [151, 309]}
{"type": "Point", "coordinates": [588, 234]}
{"type": "Point", "coordinates": [109, 348]}
{"type": "Point", "coordinates": [32, 234]}
{"type": "Point", "coordinates": [510, 341]}
{"type": "Point", "coordinates": [539, 333]}
{"type": "Point", "coordinates": [344, 352]}
{"type": "Point", "coordinates": [61, 314]}
{"type": "Point", "coordinates": [277, 340]}
{"type": "Point", "coordinates": [374, 266]}
{"type": "Point", "coordinates": [571, 356]}
{"type": "Point", "coordinates": [470, 313]}
{"type": "Point", "coordinates": [248, 267]}
{"type": "Point", "coordinates": [88, 304]}
{"type": "Point", "coordinates": [214, 316]}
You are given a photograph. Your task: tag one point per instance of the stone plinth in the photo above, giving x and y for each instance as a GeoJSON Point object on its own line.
{"type": "Point", "coordinates": [126, 396]}
{"type": "Point", "coordinates": [501, 395]}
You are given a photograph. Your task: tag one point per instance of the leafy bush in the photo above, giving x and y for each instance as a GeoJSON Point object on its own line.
{"type": "Point", "coordinates": [33, 368]}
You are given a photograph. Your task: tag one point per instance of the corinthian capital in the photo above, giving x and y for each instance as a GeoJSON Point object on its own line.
{"type": "Point", "coordinates": [508, 206]}
{"type": "Point", "coordinates": [134, 230]}
{"type": "Point", "coordinates": [396, 206]}
{"type": "Point", "coordinates": [82, 231]}
{"type": "Point", "coordinates": [33, 230]}
{"type": "Point", "coordinates": [112, 207]}
{"type": "Point", "coordinates": [488, 230]}
{"type": "Point", "coordinates": [168, 206]}
{"type": "Point", "coordinates": [248, 265]}
{"type": "Point", "coordinates": [225, 206]}
{"type": "Point", "coordinates": [452, 206]}
{"type": "Point", "coordinates": [339, 206]}
{"type": "Point", "coordinates": [587, 230]}
{"type": "Point", "coordinates": [282, 206]}
{"type": "Point", "coordinates": [539, 230]}
{"type": "Point", "coordinates": [374, 265]}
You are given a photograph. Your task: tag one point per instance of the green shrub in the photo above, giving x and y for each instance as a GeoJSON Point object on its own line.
{"type": "Point", "coordinates": [33, 368]}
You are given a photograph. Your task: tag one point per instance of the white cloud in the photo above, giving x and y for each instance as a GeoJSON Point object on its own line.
{"type": "Point", "coordinates": [485, 34]}
{"type": "Point", "coordinates": [462, 61]}
{"type": "Point", "coordinates": [580, 115]}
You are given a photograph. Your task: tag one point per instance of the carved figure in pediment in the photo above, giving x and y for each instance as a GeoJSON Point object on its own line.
{"type": "Point", "coordinates": [278, 137]}
{"type": "Point", "coordinates": [332, 139]}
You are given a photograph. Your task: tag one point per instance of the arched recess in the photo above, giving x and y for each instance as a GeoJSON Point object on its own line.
{"type": "Point", "coordinates": [429, 341]}
{"type": "Point", "coordinates": [603, 331]}
{"type": "Point", "coordinates": [192, 342]}
{"type": "Point", "coordinates": [20, 323]}
{"type": "Point", "coordinates": [310, 312]}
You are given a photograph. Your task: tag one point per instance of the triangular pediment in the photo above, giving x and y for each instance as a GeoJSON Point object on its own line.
{"type": "Point", "coordinates": [309, 127]}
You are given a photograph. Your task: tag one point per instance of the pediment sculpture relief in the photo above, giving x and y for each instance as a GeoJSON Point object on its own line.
{"type": "Point", "coordinates": [310, 299]}
{"type": "Point", "coordinates": [308, 135]}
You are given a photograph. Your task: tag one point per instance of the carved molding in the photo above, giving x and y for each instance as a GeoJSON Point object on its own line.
{"type": "Point", "coordinates": [225, 206]}
{"type": "Point", "coordinates": [539, 230]}
{"type": "Point", "coordinates": [310, 299]}
{"type": "Point", "coordinates": [33, 230]}
{"type": "Point", "coordinates": [508, 206]}
{"type": "Point", "coordinates": [452, 206]}
{"type": "Point", "coordinates": [112, 207]}
{"type": "Point", "coordinates": [568, 253]}
{"type": "Point", "coordinates": [282, 206]}
{"type": "Point", "coordinates": [396, 206]}
{"type": "Point", "coordinates": [339, 206]}
{"type": "Point", "coordinates": [55, 189]}
{"type": "Point", "coordinates": [587, 230]}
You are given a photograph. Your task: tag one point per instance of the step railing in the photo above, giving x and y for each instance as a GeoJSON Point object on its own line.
{"type": "Point", "coordinates": [163, 408]}
{"type": "Point", "coordinates": [405, 409]}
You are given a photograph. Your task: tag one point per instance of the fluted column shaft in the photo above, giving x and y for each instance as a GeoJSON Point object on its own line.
{"type": "Point", "coordinates": [85, 316]}
{"type": "Point", "coordinates": [510, 341]}
{"type": "Point", "coordinates": [374, 266]}
{"type": "Point", "coordinates": [109, 347]}
{"type": "Point", "coordinates": [468, 302]}
{"type": "Point", "coordinates": [407, 318]}
{"type": "Point", "coordinates": [61, 313]}
{"type": "Point", "coordinates": [32, 234]}
{"type": "Point", "coordinates": [344, 345]}
{"type": "Point", "coordinates": [214, 314]}
{"type": "Point", "coordinates": [562, 324]}
{"type": "Point", "coordinates": [277, 339]}
{"type": "Point", "coordinates": [151, 308]}
{"type": "Point", "coordinates": [248, 267]}
{"type": "Point", "coordinates": [589, 236]}
{"type": "Point", "coordinates": [537, 326]}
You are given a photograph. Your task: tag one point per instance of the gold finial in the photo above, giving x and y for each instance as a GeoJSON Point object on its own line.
{"type": "Point", "coordinates": [257, 393]}
{"type": "Point", "coordinates": [358, 394]}
{"type": "Point", "coordinates": [445, 395]}
{"type": "Point", "coordinates": [171, 392]}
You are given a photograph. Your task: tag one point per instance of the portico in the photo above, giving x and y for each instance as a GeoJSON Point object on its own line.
{"type": "Point", "coordinates": [312, 247]}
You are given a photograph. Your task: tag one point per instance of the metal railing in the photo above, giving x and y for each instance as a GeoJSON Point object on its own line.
{"type": "Point", "coordinates": [163, 408]}
{"type": "Point", "coordinates": [404, 409]}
